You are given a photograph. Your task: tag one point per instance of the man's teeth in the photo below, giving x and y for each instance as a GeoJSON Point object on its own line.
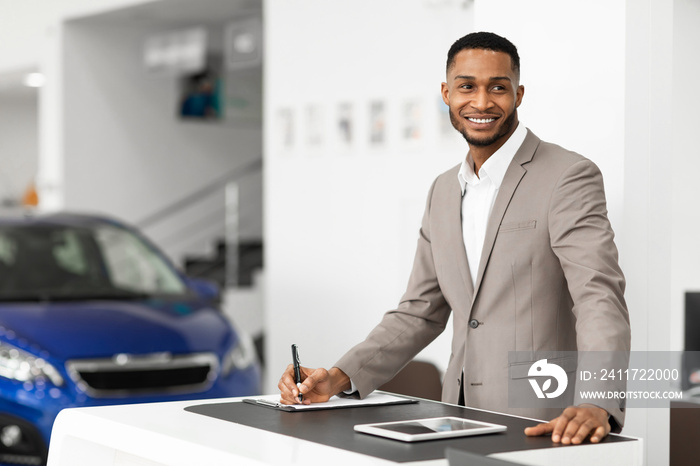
{"type": "Point", "coordinates": [481, 120]}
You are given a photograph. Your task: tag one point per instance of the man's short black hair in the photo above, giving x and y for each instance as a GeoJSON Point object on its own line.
{"type": "Point", "coordinates": [485, 41]}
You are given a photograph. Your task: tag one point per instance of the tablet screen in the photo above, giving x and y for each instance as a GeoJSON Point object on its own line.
{"type": "Point", "coordinates": [428, 426]}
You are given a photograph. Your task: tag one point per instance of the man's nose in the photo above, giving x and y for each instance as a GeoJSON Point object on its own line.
{"type": "Point", "coordinates": [481, 100]}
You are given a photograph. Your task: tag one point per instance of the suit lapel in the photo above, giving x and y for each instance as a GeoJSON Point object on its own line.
{"type": "Point", "coordinates": [511, 180]}
{"type": "Point", "coordinates": [453, 239]}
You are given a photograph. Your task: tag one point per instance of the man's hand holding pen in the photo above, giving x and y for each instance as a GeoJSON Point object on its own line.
{"type": "Point", "coordinates": [317, 385]}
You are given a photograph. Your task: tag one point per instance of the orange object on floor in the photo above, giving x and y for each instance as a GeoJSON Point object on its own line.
{"type": "Point", "coordinates": [31, 197]}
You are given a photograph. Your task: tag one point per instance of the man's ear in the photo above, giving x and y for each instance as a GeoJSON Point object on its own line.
{"type": "Point", "coordinates": [445, 91]}
{"type": "Point", "coordinates": [519, 95]}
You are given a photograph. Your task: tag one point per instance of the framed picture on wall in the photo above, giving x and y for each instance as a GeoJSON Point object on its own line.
{"type": "Point", "coordinates": [412, 128]}
{"type": "Point", "coordinates": [377, 123]}
{"type": "Point", "coordinates": [345, 125]}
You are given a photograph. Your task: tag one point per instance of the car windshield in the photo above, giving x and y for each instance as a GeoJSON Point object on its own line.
{"type": "Point", "coordinates": [62, 262]}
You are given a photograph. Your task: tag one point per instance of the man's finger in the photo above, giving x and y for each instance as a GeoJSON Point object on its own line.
{"type": "Point", "coordinates": [287, 392]}
{"type": "Point", "coordinates": [539, 429]}
{"type": "Point", "coordinates": [298, 388]}
{"type": "Point", "coordinates": [309, 383]}
{"type": "Point", "coordinates": [561, 423]}
{"type": "Point", "coordinates": [313, 379]}
{"type": "Point", "coordinates": [286, 385]}
{"type": "Point", "coordinates": [570, 430]}
{"type": "Point", "coordinates": [590, 425]}
{"type": "Point", "coordinates": [285, 401]}
{"type": "Point", "coordinates": [305, 372]}
{"type": "Point", "coordinates": [287, 381]}
{"type": "Point", "coordinates": [599, 434]}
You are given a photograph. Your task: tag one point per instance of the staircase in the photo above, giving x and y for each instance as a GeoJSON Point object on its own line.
{"type": "Point", "coordinates": [213, 267]}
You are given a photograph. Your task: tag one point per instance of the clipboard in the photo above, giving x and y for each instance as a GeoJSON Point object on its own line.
{"type": "Point", "coordinates": [336, 402]}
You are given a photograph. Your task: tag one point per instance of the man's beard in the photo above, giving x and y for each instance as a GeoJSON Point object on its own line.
{"type": "Point", "coordinates": [472, 141]}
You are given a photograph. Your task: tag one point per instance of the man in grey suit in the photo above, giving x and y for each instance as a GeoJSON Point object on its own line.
{"type": "Point", "coordinates": [516, 243]}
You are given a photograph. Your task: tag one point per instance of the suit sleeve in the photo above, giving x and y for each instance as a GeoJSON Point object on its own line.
{"type": "Point", "coordinates": [582, 239]}
{"type": "Point", "coordinates": [421, 316]}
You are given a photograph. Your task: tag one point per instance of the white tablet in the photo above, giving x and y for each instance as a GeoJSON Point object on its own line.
{"type": "Point", "coordinates": [429, 429]}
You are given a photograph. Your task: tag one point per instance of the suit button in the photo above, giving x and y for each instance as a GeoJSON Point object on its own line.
{"type": "Point", "coordinates": [473, 323]}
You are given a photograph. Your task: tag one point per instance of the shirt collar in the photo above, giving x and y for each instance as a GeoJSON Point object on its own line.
{"type": "Point", "coordinates": [495, 166]}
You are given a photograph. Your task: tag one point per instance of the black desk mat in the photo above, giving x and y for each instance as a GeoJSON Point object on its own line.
{"type": "Point", "coordinates": [335, 428]}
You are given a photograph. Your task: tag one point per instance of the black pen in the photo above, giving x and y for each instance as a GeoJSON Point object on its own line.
{"type": "Point", "coordinates": [297, 369]}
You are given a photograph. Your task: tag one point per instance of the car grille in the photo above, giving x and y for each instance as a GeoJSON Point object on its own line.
{"type": "Point", "coordinates": [126, 374]}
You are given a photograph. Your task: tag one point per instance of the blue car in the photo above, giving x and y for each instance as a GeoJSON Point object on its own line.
{"type": "Point", "coordinates": [92, 313]}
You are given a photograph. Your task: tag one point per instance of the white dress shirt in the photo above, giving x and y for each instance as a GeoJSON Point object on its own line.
{"type": "Point", "coordinates": [479, 193]}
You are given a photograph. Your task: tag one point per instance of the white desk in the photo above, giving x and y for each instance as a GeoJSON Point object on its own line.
{"type": "Point", "coordinates": [158, 434]}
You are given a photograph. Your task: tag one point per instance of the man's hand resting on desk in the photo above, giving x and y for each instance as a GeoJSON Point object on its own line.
{"type": "Point", "coordinates": [574, 425]}
{"type": "Point", "coordinates": [318, 385]}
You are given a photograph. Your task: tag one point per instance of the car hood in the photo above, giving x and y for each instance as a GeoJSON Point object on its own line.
{"type": "Point", "coordinates": [96, 329]}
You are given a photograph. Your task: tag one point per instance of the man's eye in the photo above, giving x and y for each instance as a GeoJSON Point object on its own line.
{"type": "Point", "coordinates": [499, 88]}
{"type": "Point", "coordinates": [466, 86]}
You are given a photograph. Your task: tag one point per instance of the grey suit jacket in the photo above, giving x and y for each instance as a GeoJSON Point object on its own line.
{"type": "Point", "coordinates": [548, 280]}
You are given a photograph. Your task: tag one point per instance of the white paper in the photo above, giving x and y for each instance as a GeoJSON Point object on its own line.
{"type": "Point", "coordinates": [335, 401]}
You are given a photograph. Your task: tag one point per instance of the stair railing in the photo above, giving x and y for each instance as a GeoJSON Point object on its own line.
{"type": "Point", "coordinates": [209, 212]}
{"type": "Point", "coordinates": [232, 237]}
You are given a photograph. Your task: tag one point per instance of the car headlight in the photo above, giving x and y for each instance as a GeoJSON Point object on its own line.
{"type": "Point", "coordinates": [19, 365]}
{"type": "Point", "coordinates": [240, 356]}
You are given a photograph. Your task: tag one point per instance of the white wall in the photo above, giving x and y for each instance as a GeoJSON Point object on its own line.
{"type": "Point", "coordinates": [19, 150]}
{"type": "Point", "coordinates": [127, 153]}
{"type": "Point", "coordinates": [26, 25]}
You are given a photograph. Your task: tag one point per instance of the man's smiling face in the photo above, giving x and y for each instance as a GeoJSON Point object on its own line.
{"type": "Point", "coordinates": [483, 93]}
